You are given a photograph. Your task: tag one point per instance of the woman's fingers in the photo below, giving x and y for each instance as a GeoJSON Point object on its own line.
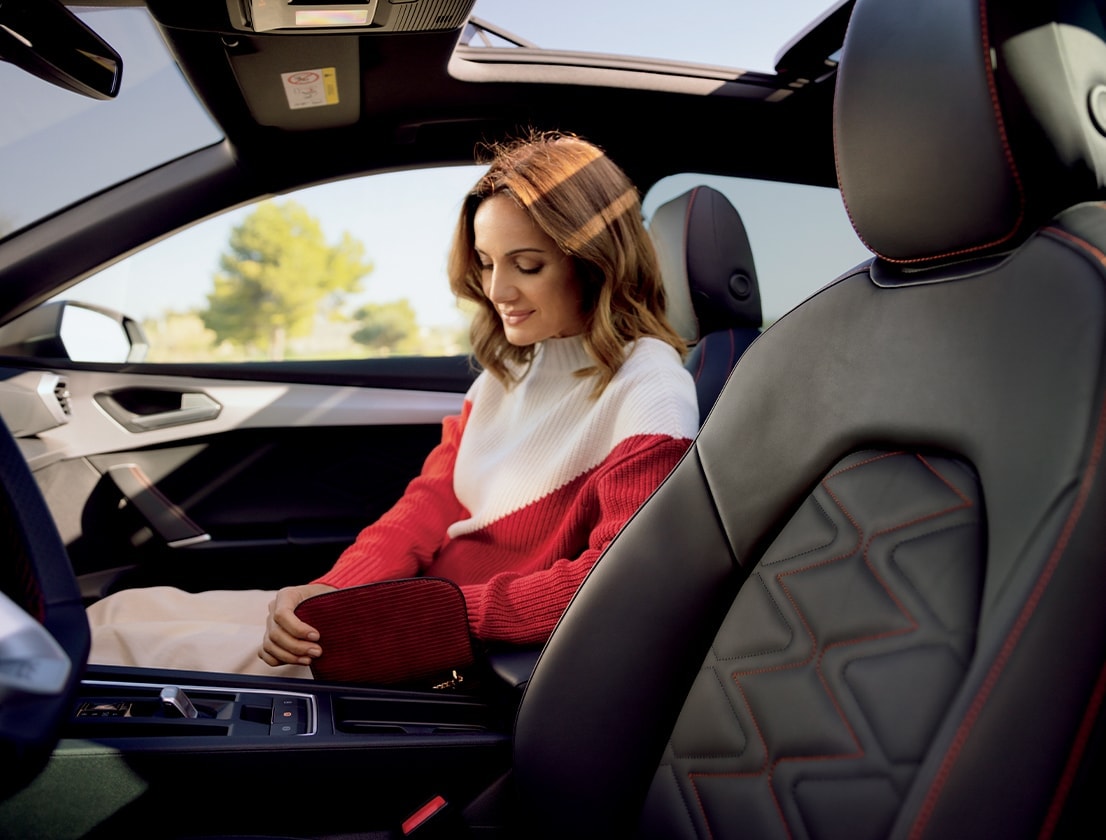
{"type": "Point", "coordinates": [283, 614]}
{"type": "Point", "coordinates": [288, 640]}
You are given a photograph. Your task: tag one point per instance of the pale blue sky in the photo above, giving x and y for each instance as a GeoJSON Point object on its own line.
{"type": "Point", "coordinates": [732, 33]}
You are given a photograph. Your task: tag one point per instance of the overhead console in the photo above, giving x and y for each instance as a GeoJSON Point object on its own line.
{"type": "Point", "coordinates": [367, 16]}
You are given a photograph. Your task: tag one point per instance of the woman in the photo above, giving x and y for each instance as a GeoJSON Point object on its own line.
{"type": "Point", "coordinates": [582, 408]}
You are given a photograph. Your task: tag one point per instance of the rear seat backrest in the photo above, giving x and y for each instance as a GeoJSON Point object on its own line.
{"type": "Point", "coordinates": [713, 297]}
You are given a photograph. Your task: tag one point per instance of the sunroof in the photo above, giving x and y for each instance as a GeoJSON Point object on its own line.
{"type": "Point", "coordinates": [745, 34]}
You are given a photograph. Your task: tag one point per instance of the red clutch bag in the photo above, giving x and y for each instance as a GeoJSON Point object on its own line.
{"type": "Point", "coordinates": [413, 630]}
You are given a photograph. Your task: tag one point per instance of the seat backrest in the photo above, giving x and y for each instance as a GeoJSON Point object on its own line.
{"type": "Point", "coordinates": [711, 282]}
{"type": "Point", "coordinates": [869, 601]}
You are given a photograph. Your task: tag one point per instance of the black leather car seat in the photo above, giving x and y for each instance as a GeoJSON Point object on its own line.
{"type": "Point", "coordinates": [869, 602]}
{"type": "Point", "coordinates": [711, 281]}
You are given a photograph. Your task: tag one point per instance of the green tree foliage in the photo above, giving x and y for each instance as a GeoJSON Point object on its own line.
{"type": "Point", "coordinates": [387, 327]}
{"type": "Point", "coordinates": [179, 337]}
{"type": "Point", "coordinates": [278, 276]}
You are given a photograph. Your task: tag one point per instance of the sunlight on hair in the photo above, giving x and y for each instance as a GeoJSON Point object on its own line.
{"type": "Point", "coordinates": [595, 225]}
{"type": "Point", "coordinates": [583, 154]}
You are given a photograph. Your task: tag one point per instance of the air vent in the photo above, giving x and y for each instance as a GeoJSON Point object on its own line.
{"type": "Point", "coordinates": [61, 393]}
{"type": "Point", "coordinates": [34, 401]}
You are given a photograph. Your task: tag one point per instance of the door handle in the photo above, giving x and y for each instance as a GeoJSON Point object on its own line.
{"type": "Point", "coordinates": [147, 409]}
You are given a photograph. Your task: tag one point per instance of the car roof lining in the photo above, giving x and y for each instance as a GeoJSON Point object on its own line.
{"type": "Point", "coordinates": [415, 79]}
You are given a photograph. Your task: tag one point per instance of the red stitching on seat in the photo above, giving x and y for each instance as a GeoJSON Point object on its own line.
{"type": "Point", "coordinates": [702, 360]}
{"type": "Point", "coordinates": [1000, 124]}
{"type": "Point", "coordinates": [976, 709]}
{"type": "Point", "coordinates": [817, 652]}
{"type": "Point", "coordinates": [1067, 778]}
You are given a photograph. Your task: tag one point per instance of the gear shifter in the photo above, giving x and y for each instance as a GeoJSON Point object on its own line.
{"type": "Point", "coordinates": [174, 700]}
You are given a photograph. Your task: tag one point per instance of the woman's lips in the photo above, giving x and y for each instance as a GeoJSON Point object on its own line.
{"type": "Point", "coordinates": [512, 319]}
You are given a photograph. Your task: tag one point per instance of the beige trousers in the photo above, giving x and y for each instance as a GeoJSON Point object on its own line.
{"type": "Point", "coordinates": [162, 627]}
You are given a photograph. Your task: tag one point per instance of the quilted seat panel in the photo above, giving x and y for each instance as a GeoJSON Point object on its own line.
{"type": "Point", "coordinates": [836, 663]}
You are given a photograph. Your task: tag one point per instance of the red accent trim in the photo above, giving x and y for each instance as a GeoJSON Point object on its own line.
{"type": "Point", "coordinates": [767, 769]}
{"type": "Point", "coordinates": [976, 708]}
{"type": "Point", "coordinates": [684, 244]}
{"type": "Point", "coordinates": [989, 72]}
{"type": "Point", "coordinates": [424, 813]}
{"type": "Point", "coordinates": [702, 359]}
{"type": "Point", "coordinates": [1067, 779]}
{"type": "Point", "coordinates": [1097, 253]}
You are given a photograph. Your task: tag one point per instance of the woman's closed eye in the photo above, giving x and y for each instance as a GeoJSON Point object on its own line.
{"type": "Point", "coordinates": [521, 269]}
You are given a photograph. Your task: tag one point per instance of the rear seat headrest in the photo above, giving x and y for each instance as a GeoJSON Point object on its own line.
{"type": "Point", "coordinates": [707, 264]}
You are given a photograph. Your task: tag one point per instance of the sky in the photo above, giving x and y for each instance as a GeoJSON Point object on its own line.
{"type": "Point", "coordinates": [406, 219]}
{"type": "Point", "coordinates": [731, 33]}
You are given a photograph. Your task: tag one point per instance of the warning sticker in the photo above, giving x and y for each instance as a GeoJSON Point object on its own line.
{"type": "Point", "coordinates": [311, 88]}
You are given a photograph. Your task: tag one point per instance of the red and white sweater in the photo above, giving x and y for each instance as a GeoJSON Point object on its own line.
{"type": "Point", "coordinates": [530, 484]}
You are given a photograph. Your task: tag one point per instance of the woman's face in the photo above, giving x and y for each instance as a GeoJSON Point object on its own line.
{"type": "Point", "coordinates": [530, 281]}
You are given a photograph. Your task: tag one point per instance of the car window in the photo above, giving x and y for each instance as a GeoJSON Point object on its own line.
{"type": "Point", "coordinates": [350, 269]}
{"type": "Point", "coordinates": [76, 139]}
{"type": "Point", "coordinates": [800, 235]}
{"type": "Point", "coordinates": [357, 268]}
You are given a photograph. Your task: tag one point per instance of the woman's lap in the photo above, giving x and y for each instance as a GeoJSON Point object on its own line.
{"type": "Point", "coordinates": [164, 627]}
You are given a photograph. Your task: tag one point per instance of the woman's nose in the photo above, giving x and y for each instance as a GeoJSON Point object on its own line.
{"type": "Point", "coordinates": [499, 288]}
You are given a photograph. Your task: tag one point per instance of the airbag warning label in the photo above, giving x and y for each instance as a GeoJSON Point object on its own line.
{"type": "Point", "coordinates": [311, 88]}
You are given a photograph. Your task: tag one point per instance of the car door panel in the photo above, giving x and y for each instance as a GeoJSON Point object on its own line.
{"type": "Point", "coordinates": [205, 482]}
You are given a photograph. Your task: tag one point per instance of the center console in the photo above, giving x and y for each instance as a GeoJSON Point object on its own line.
{"type": "Point", "coordinates": [146, 747]}
{"type": "Point", "coordinates": [140, 710]}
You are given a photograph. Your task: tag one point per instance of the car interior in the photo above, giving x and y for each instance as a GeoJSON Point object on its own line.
{"type": "Point", "coordinates": [713, 296]}
{"type": "Point", "coordinates": [866, 603]}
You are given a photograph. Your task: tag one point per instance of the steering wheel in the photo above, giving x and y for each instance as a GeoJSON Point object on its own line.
{"type": "Point", "coordinates": [44, 635]}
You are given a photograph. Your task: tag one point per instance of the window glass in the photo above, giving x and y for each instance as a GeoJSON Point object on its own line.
{"type": "Point", "coordinates": [350, 269]}
{"type": "Point", "coordinates": [70, 146]}
{"type": "Point", "coordinates": [357, 268]}
{"type": "Point", "coordinates": [800, 235]}
{"type": "Point", "coordinates": [746, 34]}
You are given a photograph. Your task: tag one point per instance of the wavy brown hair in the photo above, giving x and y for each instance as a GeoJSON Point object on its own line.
{"type": "Point", "coordinates": [587, 205]}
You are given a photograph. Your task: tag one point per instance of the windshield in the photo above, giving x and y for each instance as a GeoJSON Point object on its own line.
{"type": "Point", "coordinates": [69, 146]}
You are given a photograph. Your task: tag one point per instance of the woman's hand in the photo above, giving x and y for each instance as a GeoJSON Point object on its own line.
{"type": "Point", "coordinates": [287, 639]}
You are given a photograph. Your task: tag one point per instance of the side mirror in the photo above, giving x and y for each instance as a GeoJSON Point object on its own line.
{"type": "Point", "coordinates": [46, 39]}
{"type": "Point", "coordinates": [78, 332]}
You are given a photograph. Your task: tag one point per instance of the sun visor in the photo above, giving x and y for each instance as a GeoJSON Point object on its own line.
{"type": "Point", "coordinates": [367, 17]}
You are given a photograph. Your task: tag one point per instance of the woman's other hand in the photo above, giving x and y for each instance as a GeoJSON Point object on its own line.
{"type": "Point", "coordinates": [288, 640]}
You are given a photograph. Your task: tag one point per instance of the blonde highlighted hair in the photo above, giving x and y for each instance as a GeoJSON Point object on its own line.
{"type": "Point", "coordinates": [587, 205]}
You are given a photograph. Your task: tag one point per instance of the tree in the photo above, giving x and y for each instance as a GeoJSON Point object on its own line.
{"type": "Point", "coordinates": [391, 327]}
{"type": "Point", "coordinates": [179, 337]}
{"type": "Point", "coordinates": [277, 275]}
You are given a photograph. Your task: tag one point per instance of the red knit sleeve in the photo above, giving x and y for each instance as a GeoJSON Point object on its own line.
{"type": "Point", "coordinates": [522, 608]}
{"type": "Point", "coordinates": [403, 541]}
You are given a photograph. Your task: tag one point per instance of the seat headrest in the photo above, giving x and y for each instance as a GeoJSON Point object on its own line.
{"type": "Point", "coordinates": [707, 264]}
{"type": "Point", "coordinates": [962, 125]}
